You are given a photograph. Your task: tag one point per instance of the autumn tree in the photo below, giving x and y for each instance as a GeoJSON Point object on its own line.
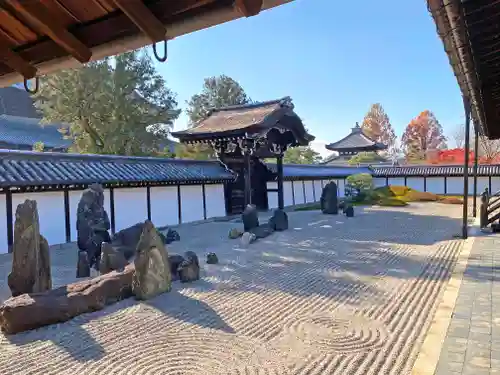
{"type": "Point", "coordinates": [423, 134]}
{"type": "Point", "coordinates": [377, 126]}
{"type": "Point", "coordinates": [488, 149]}
{"type": "Point", "coordinates": [217, 92]}
{"type": "Point", "coordinates": [301, 155]}
{"type": "Point", "coordinates": [113, 106]}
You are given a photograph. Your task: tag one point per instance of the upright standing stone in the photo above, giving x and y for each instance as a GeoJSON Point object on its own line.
{"type": "Point", "coordinates": [31, 260]}
{"type": "Point", "coordinates": [329, 199]}
{"type": "Point", "coordinates": [152, 269]}
{"type": "Point", "coordinates": [83, 265]}
{"type": "Point", "coordinates": [250, 217]}
{"type": "Point", "coordinates": [111, 259]}
{"type": "Point", "coordinates": [349, 211]}
{"type": "Point", "coordinates": [92, 223]}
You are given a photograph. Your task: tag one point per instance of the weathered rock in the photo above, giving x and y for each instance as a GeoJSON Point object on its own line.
{"type": "Point", "coordinates": [30, 311]}
{"type": "Point", "coordinates": [92, 223]}
{"type": "Point", "coordinates": [212, 258]}
{"type": "Point", "coordinates": [279, 220]}
{"type": "Point", "coordinates": [329, 199]}
{"type": "Point", "coordinates": [189, 270]}
{"type": "Point", "coordinates": [111, 259]}
{"type": "Point", "coordinates": [349, 211]}
{"type": "Point", "coordinates": [171, 236]}
{"type": "Point", "coordinates": [175, 261]}
{"type": "Point", "coordinates": [234, 233]}
{"type": "Point", "coordinates": [152, 270]}
{"type": "Point", "coordinates": [262, 231]}
{"type": "Point", "coordinates": [31, 259]}
{"type": "Point", "coordinates": [250, 217]}
{"type": "Point", "coordinates": [83, 266]}
{"type": "Point", "coordinates": [247, 238]}
{"type": "Point", "coordinates": [342, 205]}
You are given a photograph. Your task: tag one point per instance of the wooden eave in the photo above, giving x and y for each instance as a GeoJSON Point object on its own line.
{"type": "Point", "coordinates": [470, 31]}
{"type": "Point", "coordinates": [38, 37]}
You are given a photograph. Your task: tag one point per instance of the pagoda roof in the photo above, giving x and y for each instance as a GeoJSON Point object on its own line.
{"type": "Point", "coordinates": [356, 141]}
{"type": "Point", "coordinates": [247, 121]}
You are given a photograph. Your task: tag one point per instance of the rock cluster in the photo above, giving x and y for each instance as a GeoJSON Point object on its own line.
{"type": "Point", "coordinates": [31, 257]}
{"type": "Point", "coordinates": [254, 231]}
{"type": "Point", "coordinates": [212, 258]}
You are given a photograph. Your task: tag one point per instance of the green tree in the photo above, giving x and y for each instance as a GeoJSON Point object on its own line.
{"type": "Point", "coordinates": [301, 155]}
{"type": "Point", "coordinates": [365, 158]}
{"type": "Point", "coordinates": [217, 92]}
{"type": "Point", "coordinates": [38, 146]}
{"type": "Point", "coordinates": [113, 106]}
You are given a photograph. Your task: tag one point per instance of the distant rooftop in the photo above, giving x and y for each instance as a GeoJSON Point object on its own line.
{"type": "Point", "coordinates": [357, 141]}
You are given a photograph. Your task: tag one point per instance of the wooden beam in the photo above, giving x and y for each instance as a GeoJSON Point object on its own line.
{"type": "Point", "coordinates": [249, 8]}
{"type": "Point", "coordinates": [41, 19]}
{"type": "Point", "coordinates": [15, 62]}
{"type": "Point", "coordinates": [143, 18]}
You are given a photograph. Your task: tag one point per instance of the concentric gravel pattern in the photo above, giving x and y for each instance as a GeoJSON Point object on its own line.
{"type": "Point", "coordinates": [333, 296]}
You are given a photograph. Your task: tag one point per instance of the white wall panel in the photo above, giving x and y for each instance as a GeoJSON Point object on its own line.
{"type": "Point", "coordinates": [455, 185]}
{"type": "Point", "coordinates": [272, 196]}
{"type": "Point", "coordinates": [298, 192]}
{"type": "Point", "coordinates": [482, 183]}
{"type": "Point", "coordinates": [4, 244]}
{"type": "Point", "coordinates": [164, 206]}
{"type": "Point", "coordinates": [309, 191]}
{"type": "Point", "coordinates": [288, 194]}
{"type": "Point", "coordinates": [50, 213]}
{"type": "Point", "coordinates": [495, 184]}
{"type": "Point", "coordinates": [216, 205]}
{"type": "Point", "coordinates": [317, 190]}
{"type": "Point", "coordinates": [396, 181]}
{"type": "Point", "coordinates": [416, 183]}
{"type": "Point", "coordinates": [191, 203]}
{"type": "Point", "coordinates": [341, 187]}
{"type": "Point", "coordinates": [130, 207]}
{"type": "Point", "coordinates": [434, 185]}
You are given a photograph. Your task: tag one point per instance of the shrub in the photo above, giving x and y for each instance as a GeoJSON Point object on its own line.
{"type": "Point", "coordinates": [420, 196]}
{"type": "Point", "coordinates": [359, 186]}
{"type": "Point", "coordinates": [392, 191]}
{"type": "Point", "coordinates": [392, 202]}
{"type": "Point", "coordinates": [451, 200]}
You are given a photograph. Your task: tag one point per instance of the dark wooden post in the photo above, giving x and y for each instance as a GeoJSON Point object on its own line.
{"type": "Point", "coordinates": [281, 200]}
{"type": "Point", "coordinates": [476, 151]}
{"type": "Point", "coordinates": [466, 167]}
{"type": "Point", "coordinates": [483, 210]}
{"type": "Point", "coordinates": [248, 178]}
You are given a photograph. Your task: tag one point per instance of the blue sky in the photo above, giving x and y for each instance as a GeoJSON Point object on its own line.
{"type": "Point", "coordinates": [334, 58]}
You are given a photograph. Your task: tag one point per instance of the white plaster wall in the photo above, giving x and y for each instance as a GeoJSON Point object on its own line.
{"type": "Point", "coordinates": [216, 205]}
{"type": "Point", "coordinates": [4, 244]}
{"type": "Point", "coordinates": [130, 207]}
{"type": "Point", "coordinates": [396, 181]}
{"type": "Point", "coordinates": [50, 213]}
{"type": "Point", "coordinates": [299, 193]}
{"type": "Point", "coordinates": [191, 203]}
{"type": "Point", "coordinates": [482, 183]}
{"type": "Point", "coordinates": [378, 181]}
{"type": "Point", "coordinates": [309, 191]}
{"type": "Point", "coordinates": [341, 187]}
{"type": "Point", "coordinates": [318, 189]}
{"type": "Point", "coordinates": [287, 192]}
{"type": "Point", "coordinates": [416, 183]}
{"type": "Point", "coordinates": [272, 196]}
{"type": "Point", "coordinates": [434, 185]}
{"type": "Point", "coordinates": [164, 207]}
{"type": "Point", "coordinates": [495, 184]}
{"type": "Point", "coordinates": [455, 185]}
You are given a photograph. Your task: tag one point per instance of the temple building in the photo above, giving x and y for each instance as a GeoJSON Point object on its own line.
{"type": "Point", "coordinates": [351, 145]}
{"type": "Point", "coordinates": [242, 136]}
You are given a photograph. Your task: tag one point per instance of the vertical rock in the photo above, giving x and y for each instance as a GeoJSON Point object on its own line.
{"type": "Point", "coordinates": [279, 220]}
{"type": "Point", "coordinates": [329, 199]}
{"type": "Point", "coordinates": [152, 270]}
{"type": "Point", "coordinates": [111, 259]}
{"type": "Point", "coordinates": [92, 223]}
{"type": "Point", "coordinates": [83, 266]}
{"type": "Point", "coordinates": [250, 217]}
{"type": "Point", "coordinates": [31, 259]}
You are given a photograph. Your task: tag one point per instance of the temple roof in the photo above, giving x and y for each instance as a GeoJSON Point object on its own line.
{"type": "Point", "coordinates": [236, 122]}
{"type": "Point", "coordinates": [356, 141]}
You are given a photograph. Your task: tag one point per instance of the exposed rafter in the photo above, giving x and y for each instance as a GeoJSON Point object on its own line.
{"type": "Point", "coordinates": [16, 62]}
{"type": "Point", "coordinates": [36, 13]}
{"type": "Point", "coordinates": [142, 17]}
{"type": "Point", "coordinates": [249, 8]}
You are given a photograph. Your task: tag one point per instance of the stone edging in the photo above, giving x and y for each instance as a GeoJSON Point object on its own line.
{"type": "Point", "coordinates": [430, 350]}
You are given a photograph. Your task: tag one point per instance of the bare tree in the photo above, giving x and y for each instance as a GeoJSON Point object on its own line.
{"type": "Point", "coordinates": [458, 136]}
{"type": "Point", "coordinates": [489, 150]}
